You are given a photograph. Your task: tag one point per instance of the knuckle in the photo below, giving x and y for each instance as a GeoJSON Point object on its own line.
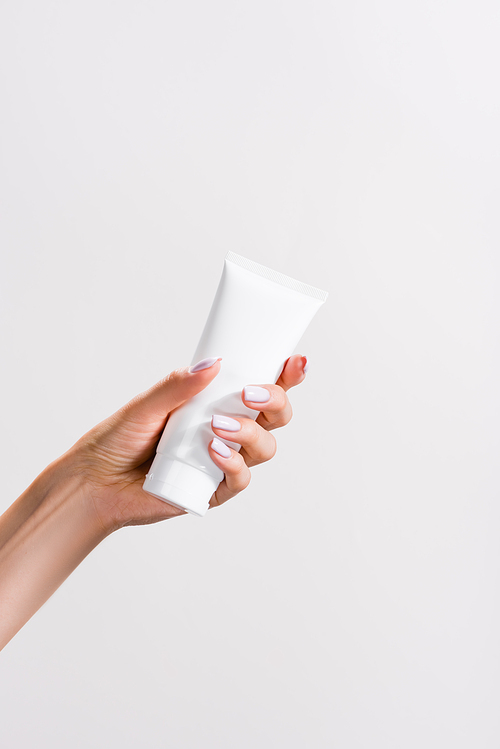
{"type": "Point", "coordinates": [284, 410]}
{"type": "Point", "coordinates": [255, 431]}
{"type": "Point", "coordinates": [271, 449]}
{"type": "Point", "coordinates": [175, 376]}
{"type": "Point", "coordinates": [277, 397]}
{"type": "Point", "coordinates": [283, 417]}
{"type": "Point", "coordinates": [242, 475]}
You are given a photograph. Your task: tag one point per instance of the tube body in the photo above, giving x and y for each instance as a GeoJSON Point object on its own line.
{"type": "Point", "coordinates": [257, 318]}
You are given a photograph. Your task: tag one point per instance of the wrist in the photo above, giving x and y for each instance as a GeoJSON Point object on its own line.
{"type": "Point", "coordinates": [66, 482]}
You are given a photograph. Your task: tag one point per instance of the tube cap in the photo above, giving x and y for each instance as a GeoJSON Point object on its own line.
{"type": "Point", "coordinates": [180, 484]}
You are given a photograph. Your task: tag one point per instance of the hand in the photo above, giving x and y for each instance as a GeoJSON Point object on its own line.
{"type": "Point", "coordinates": [115, 456]}
{"type": "Point", "coordinates": [96, 486]}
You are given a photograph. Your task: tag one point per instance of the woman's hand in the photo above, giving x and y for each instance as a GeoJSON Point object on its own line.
{"type": "Point", "coordinates": [96, 486]}
{"type": "Point", "coordinates": [114, 457]}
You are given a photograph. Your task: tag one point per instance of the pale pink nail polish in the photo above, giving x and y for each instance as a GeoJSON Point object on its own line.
{"type": "Point", "coordinates": [226, 423]}
{"type": "Point", "coordinates": [221, 448]}
{"type": "Point", "coordinates": [305, 366]}
{"type": "Point", "coordinates": [204, 364]}
{"type": "Point", "coordinates": [256, 394]}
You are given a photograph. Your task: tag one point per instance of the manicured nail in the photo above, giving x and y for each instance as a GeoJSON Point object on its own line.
{"type": "Point", "coordinates": [221, 448]}
{"type": "Point", "coordinates": [225, 422]}
{"type": "Point", "coordinates": [204, 364]}
{"type": "Point", "coordinates": [305, 364]}
{"type": "Point", "coordinates": [256, 394]}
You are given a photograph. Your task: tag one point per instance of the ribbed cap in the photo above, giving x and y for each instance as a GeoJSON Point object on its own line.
{"type": "Point", "coordinates": [180, 484]}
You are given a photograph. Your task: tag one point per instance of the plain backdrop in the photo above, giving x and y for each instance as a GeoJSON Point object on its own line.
{"type": "Point", "coordinates": [349, 598]}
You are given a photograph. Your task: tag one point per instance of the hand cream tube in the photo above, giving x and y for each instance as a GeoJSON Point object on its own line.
{"type": "Point", "coordinates": [257, 318]}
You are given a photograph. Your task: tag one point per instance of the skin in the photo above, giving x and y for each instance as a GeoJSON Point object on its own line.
{"type": "Point", "coordinates": [95, 488]}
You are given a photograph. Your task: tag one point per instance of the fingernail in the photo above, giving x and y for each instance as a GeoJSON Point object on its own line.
{"type": "Point", "coordinates": [256, 394]}
{"type": "Point", "coordinates": [221, 448]}
{"type": "Point", "coordinates": [305, 364]}
{"type": "Point", "coordinates": [204, 364]}
{"type": "Point", "coordinates": [225, 422]}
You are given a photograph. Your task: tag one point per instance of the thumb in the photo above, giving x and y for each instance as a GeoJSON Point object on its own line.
{"type": "Point", "coordinates": [154, 404]}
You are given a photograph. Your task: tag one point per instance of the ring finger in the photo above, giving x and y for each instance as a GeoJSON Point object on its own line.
{"type": "Point", "coordinates": [258, 444]}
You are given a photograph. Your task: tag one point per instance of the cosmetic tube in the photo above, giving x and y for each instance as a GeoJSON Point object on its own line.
{"type": "Point", "coordinates": [256, 320]}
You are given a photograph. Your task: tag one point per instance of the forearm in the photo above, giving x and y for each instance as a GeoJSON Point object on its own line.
{"type": "Point", "coordinates": [44, 536]}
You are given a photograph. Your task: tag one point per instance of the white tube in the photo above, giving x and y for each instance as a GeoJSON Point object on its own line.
{"type": "Point", "coordinates": [257, 318]}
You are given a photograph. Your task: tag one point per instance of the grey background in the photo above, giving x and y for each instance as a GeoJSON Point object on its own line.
{"type": "Point", "coordinates": [349, 597]}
